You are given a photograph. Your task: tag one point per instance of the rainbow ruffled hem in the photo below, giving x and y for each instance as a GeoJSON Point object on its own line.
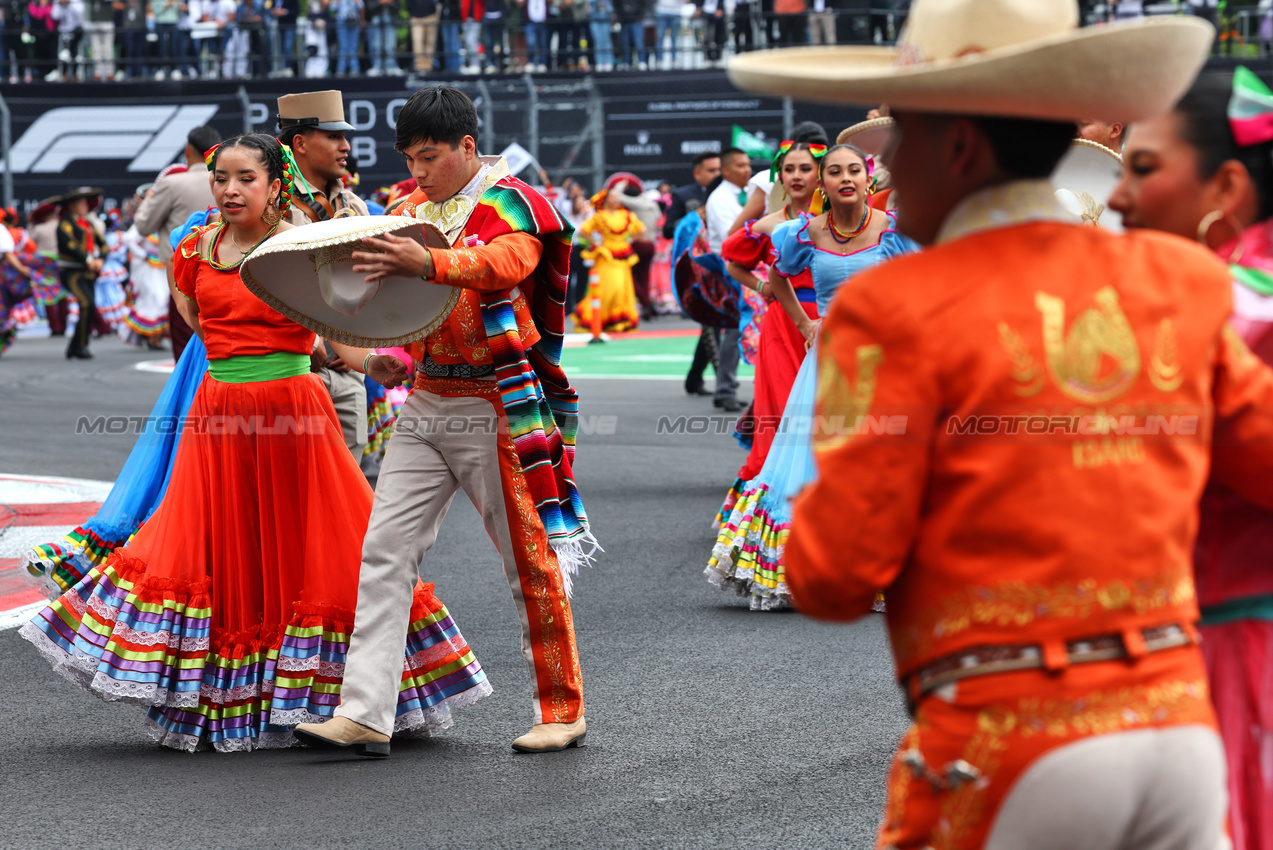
{"type": "Point", "coordinates": [125, 636]}
{"type": "Point", "coordinates": [731, 499]}
{"type": "Point", "coordinates": [60, 566]}
{"type": "Point", "coordinates": [146, 328]}
{"type": "Point", "coordinates": [748, 552]}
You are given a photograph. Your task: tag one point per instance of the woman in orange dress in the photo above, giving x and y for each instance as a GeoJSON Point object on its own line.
{"type": "Point", "coordinates": [229, 612]}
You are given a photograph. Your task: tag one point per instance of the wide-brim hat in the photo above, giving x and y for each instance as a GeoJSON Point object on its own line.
{"type": "Point", "coordinates": [1085, 179]}
{"type": "Point", "coordinates": [622, 177]}
{"type": "Point", "coordinates": [1017, 58]}
{"type": "Point", "coordinates": [43, 211]}
{"type": "Point", "coordinates": [870, 136]}
{"type": "Point", "coordinates": [319, 110]}
{"type": "Point", "coordinates": [306, 274]}
{"type": "Point", "coordinates": [93, 195]}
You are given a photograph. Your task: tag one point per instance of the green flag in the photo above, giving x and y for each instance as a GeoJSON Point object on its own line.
{"type": "Point", "coordinates": [754, 147]}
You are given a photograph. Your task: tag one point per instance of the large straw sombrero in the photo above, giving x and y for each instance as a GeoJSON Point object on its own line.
{"type": "Point", "coordinates": [1021, 58]}
{"type": "Point", "coordinates": [306, 273]}
{"type": "Point", "coordinates": [870, 136]}
{"type": "Point", "coordinates": [1084, 180]}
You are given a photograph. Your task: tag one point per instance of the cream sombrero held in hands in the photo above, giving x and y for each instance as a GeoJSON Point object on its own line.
{"type": "Point", "coordinates": [306, 273]}
{"type": "Point", "coordinates": [1019, 58]}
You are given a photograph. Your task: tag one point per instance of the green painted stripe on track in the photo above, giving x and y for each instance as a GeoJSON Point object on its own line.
{"type": "Point", "coordinates": [657, 357]}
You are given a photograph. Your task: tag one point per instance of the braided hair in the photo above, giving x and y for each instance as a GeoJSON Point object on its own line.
{"type": "Point", "coordinates": [271, 153]}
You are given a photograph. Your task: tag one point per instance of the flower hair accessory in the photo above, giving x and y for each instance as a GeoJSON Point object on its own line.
{"type": "Point", "coordinates": [815, 150]}
{"type": "Point", "coordinates": [1250, 110]}
{"type": "Point", "coordinates": [598, 199]}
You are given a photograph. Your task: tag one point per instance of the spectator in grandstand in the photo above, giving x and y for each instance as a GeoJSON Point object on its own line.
{"type": "Point", "coordinates": [349, 19]}
{"type": "Point", "coordinates": [821, 23]}
{"type": "Point", "coordinates": [792, 26]}
{"type": "Point", "coordinates": [382, 37]}
{"type": "Point", "coordinates": [422, 21]}
{"type": "Point", "coordinates": [713, 30]}
{"type": "Point", "coordinates": [69, 15]}
{"type": "Point", "coordinates": [566, 18]}
{"type": "Point", "coordinates": [285, 14]}
{"type": "Point", "coordinates": [130, 30]}
{"type": "Point", "coordinates": [535, 20]}
{"type": "Point", "coordinates": [630, 52]}
{"type": "Point", "coordinates": [667, 21]}
{"type": "Point", "coordinates": [494, 18]}
{"type": "Point", "coordinates": [318, 23]}
{"type": "Point", "coordinates": [601, 17]}
{"type": "Point", "coordinates": [165, 14]}
{"type": "Point", "coordinates": [99, 26]}
{"type": "Point", "coordinates": [43, 48]}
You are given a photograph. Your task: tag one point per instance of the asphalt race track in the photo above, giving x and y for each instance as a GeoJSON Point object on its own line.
{"type": "Point", "coordinates": [709, 725]}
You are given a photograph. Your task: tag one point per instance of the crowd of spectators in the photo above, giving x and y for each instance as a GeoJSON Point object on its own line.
{"type": "Point", "coordinates": [98, 40]}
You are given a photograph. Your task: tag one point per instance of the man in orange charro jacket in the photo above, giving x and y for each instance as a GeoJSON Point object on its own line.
{"type": "Point", "coordinates": [1015, 426]}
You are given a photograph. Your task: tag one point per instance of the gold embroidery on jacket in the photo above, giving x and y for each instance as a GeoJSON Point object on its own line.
{"type": "Point", "coordinates": [1077, 361]}
{"type": "Point", "coordinates": [1025, 369]}
{"type": "Point", "coordinates": [1164, 368]}
{"type": "Point", "coordinates": [1018, 603]}
{"type": "Point", "coordinates": [841, 407]}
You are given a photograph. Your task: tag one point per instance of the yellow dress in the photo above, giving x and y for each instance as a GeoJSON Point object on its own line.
{"type": "Point", "coordinates": [613, 260]}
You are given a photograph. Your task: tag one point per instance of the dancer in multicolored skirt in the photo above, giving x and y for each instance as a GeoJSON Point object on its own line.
{"type": "Point", "coordinates": [229, 612]}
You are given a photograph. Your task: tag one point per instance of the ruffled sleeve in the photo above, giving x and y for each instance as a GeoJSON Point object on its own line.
{"type": "Point", "coordinates": [185, 263]}
{"type": "Point", "coordinates": [746, 247]}
{"type": "Point", "coordinates": [793, 249]}
{"type": "Point", "coordinates": [894, 244]}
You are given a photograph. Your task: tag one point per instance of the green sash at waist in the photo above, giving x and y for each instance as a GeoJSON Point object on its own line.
{"type": "Point", "coordinates": [1242, 608]}
{"type": "Point", "coordinates": [250, 368]}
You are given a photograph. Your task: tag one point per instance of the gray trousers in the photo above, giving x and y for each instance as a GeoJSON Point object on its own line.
{"type": "Point", "coordinates": [349, 396]}
{"type": "Point", "coordinates": [1150, 789]}
{"type": "Point", "coordinates": [727, 364]}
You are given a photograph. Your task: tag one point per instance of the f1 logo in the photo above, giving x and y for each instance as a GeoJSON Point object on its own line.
{"type": "Point", "coordinates": [150, 136]}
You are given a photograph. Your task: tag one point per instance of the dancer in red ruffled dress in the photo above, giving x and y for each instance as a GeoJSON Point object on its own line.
{"type": "Point", "coordinates": [229, 612]}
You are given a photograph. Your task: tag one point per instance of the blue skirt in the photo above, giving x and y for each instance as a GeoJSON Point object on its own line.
{"type": "Point", "coordinates": [138, 490]}
{"type": "Point", "coordinates": [748, 555]}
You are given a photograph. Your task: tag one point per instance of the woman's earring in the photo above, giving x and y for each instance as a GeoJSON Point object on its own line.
{"type": "Point", "coordinates": [1204, 228]}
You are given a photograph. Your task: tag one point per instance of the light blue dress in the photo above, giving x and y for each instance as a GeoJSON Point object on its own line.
{"type": "Point", "coordinates": [748, 555]}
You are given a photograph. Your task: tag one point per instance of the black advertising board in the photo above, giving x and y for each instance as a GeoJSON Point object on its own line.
{"type": "Point", "coordinates": [119, 135]}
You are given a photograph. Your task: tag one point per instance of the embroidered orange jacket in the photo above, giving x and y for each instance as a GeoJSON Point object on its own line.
{"type": "Point", "coordinates": [478, 269]}
{"type": "Point", "coordinates": [1015, 429]}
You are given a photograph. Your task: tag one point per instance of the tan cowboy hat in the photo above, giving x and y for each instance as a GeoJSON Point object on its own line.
{"type": "Point", "coordinates": [306, 274]}
{"type": "Point", "coordinates": [1019, 58]}
{"type": "Point", "coordinates": [1084, 180]}
{"type": "Point", "coordinates": [322, 110]}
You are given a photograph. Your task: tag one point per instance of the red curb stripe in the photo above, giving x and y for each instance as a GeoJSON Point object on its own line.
{"type": "Point", "coordinates": [15, 590]}
{"type": "Point", "coordinates": [58, 513]}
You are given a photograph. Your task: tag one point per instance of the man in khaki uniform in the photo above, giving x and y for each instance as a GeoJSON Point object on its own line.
{"type": "Point", "coordinates": [313, 125]}
{"type": "Point", "coordinates": [174, 199]}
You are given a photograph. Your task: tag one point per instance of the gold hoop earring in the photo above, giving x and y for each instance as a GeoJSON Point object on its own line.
{"type": "Point", "coordinates": [272, 215]}
{"type": "Point", "coordinates": [1204, 228]}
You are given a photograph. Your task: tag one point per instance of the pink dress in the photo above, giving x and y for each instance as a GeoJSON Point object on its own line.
{"type": "Point", "coordinates": [1233, 565]}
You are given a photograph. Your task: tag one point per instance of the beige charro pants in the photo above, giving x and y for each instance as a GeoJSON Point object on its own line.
{"type": "Point", "coordinates": [1149, 789]}
{"type": "Point", "coordinates": [439, 445]}
{"type": "Point", "coordinates": [348, 392]}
